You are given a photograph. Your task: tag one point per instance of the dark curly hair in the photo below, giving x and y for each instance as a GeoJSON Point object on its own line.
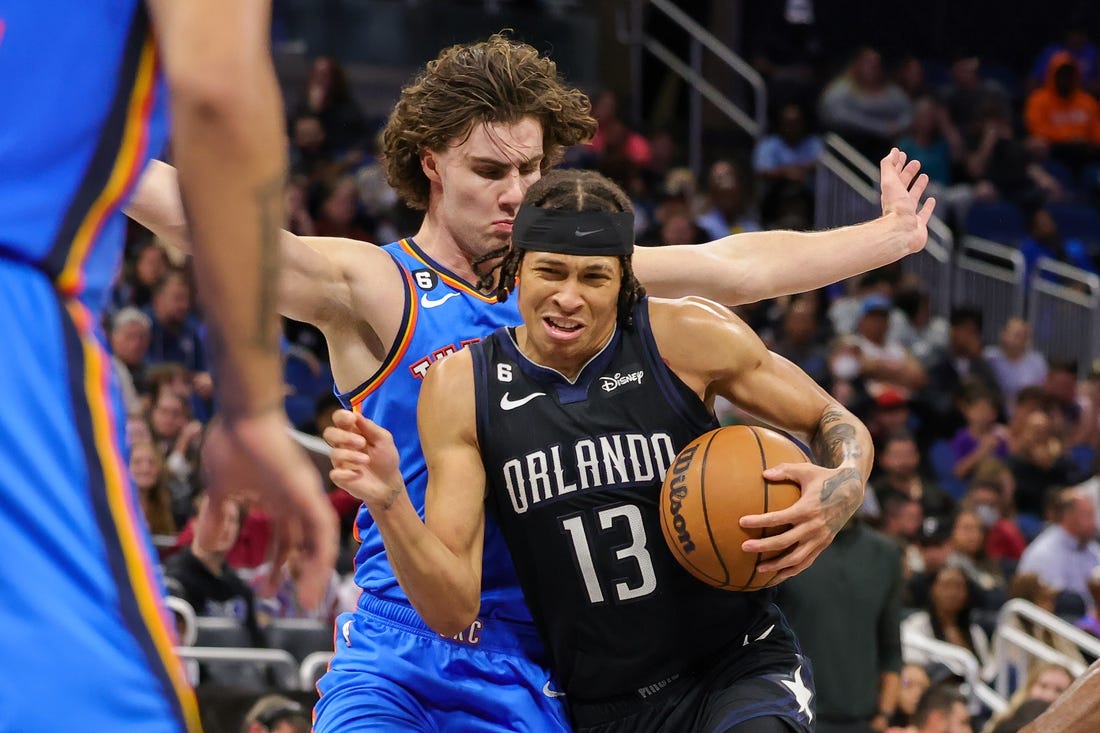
{"type": "Point", "coordinates": [497, 80]}
{"type": "Point", "coordinates": [571, 190]}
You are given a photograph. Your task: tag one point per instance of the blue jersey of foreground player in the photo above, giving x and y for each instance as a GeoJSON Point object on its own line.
{"type": "Point", "coordinates": [82, 110]}
{"type": "Point", "coordinates": [442, 315]}
{"type": "Point", "coordinates": [390, 671]}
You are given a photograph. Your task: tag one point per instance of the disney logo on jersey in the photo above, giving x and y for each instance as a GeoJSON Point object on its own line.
{"type": "Point", "coordinates": [610, 383]}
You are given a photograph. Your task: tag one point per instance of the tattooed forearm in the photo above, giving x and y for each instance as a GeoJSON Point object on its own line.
{"type": "Point", "coordinates": [841, 442]}
{"type": "Point", "coordinates": [841, 495]}
{"type": "Point", "coordinates": [836, 440]}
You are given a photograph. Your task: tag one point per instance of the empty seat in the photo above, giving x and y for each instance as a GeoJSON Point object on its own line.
{"type": "Point", "coordinates": [998, 221]}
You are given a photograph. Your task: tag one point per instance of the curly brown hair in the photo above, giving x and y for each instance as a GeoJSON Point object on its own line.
{"type": "Point", "coordinates": [497, 80]}
{"type": "Point", "coordinates": [573, 190]}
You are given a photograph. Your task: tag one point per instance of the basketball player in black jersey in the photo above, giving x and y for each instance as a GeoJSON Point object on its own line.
{"type": "Point", "coordinates": [564, 427]}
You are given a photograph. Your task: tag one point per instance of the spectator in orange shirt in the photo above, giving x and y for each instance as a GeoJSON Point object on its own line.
{"type": "Point", "coordinates": [1063, 115]}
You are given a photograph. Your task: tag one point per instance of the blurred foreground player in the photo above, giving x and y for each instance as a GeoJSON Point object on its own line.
{"type": "Point", "coordinates": [84, 642]}
{"type": "Point", "coordinates": [567, 425]}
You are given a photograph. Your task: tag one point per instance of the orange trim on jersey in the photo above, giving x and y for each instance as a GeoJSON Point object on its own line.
{"type": "Point", "coordinates": [128, 166]}
{"type": "Point", "coordinates": [396, 354]}
{"type": "Point", "coordinates": [139, 566]}
{"type": "Point", "coordinates": [454, 282]}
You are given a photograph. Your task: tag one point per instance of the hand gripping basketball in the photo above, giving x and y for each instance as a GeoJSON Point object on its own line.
{"type": "Point", "coordinates": [715, 480]}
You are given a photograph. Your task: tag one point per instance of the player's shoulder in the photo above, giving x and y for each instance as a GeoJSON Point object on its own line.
{"type": "Point", "coordinates": [454, 372]}
{"type": "Point", "coordinates": [692, 318]}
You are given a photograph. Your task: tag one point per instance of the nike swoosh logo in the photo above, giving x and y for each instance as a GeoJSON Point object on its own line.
{"type": "Point", "coordinates": [551, 693]}
{"type": "Point", "coordinates": [579, 233]}
{"type": "Point", "coordinates": [429, 303]}
{"type": "Point", "coordinates": [763, 636]}
{"type": "Point", "coordinates": [509, 404]}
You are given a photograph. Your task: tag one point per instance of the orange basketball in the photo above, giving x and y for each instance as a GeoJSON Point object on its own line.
{"type": "Point", "coordinates": [714, 481]}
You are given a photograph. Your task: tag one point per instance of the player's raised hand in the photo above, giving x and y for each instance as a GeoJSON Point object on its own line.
{"type": "Point", "coordinates": [902, 185]}
{"type": "Point", "coordinates": [829, 498]}
{"type": "Point", "coordinates": [253, 458]}
{"type": "Point", "coordinates": [364, 459]}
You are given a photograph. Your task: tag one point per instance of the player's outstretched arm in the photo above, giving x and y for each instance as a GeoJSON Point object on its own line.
{"type": "Point", "coordinates": [228, 134]}
{"type": "Point", "coordinates": [745, 268]}
{"type": "Point", "coordinates": [322, 279]}
{"type": "Point", "coordinates": [439, 563]}
{"type": "Point", "coordinates": [737, 365]}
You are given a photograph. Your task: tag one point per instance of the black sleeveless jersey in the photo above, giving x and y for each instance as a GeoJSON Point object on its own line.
{"type": "Point", "coordinates": [574, 471]}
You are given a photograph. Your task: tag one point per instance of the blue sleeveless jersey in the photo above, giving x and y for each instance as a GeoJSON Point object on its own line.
{"type": "Point", "coordinates": [442, 314]}
{"type": "Point", "coordinates": [81, 111]}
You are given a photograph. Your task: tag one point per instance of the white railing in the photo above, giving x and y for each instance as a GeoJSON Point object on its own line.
{"type": "Point", "coordinates": [961, 662]}
{"type": "Point", "coordinates": [1064, 311]}
{"type": "Point", "coordinates": [1013, 646]}
{"type": "Point", "coordinates": [992, 277]}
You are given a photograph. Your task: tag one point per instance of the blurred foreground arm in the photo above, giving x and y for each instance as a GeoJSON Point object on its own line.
{"type": "Point", "coordinates": [228, 136]}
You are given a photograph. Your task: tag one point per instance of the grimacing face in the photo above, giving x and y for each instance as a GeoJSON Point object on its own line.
{"type": "Point", "coordinates": [569, 305]}
{"type": "Point", "coordinates": [478, 183]}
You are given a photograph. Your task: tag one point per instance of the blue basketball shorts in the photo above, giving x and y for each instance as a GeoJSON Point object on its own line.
{"type": "Point", "coordinates": [391, 672]}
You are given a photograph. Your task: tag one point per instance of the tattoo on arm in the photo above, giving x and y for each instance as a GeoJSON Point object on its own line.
{"type": "Point", "coordinates": [267, 197]}
{"type": "Point", "coordinates": [835, 439]}
{"type": "Point", "coordinates": [834, 443]}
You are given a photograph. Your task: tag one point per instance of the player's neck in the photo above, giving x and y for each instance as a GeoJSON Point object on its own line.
{"type": "Point", "coordinates": [441, 245]}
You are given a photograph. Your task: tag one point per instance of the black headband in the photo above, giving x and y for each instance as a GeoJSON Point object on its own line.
{"type": "Point", "coordinates": [583, 233]}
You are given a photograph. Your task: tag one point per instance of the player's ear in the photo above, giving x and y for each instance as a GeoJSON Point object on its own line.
{"type": "Point", "coordinates": [429, 163]}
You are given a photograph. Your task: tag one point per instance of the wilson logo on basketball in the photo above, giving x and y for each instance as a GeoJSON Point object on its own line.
{"type": "Point", "coordinates": [677, 493]}
{"type": "Point", "coordinates": [610, 384]}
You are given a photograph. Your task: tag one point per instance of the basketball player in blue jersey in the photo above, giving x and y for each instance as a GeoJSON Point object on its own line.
{"type": "Point", "coordinates": [465, 141]}
{"type": "Point", "coordinates": [84, 641]}
{"type": "Point", "coordinates": [565, 427]}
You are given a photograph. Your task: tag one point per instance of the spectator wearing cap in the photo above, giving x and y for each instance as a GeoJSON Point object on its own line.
{"type": "Point", "coordinates": [933, 552]}
{"type": "Point", "coordinates": [890, 414]}
{"type": "Point", "coordinates": [276, 714]}
{"type": "Point", "coordinates": [1065, 554]}
{"type": "Point", "coordinates": [884, 363]}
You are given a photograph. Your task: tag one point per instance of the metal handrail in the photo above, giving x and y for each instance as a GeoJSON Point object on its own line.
{"type": "Point", "coordinates": [960, 661]}
{"type": "Point", "coordinates": [629, 31]}
{"type": "Point", "coordinates": [1019, 607]}
{"type": "Point", "coordinates": [281, 661]}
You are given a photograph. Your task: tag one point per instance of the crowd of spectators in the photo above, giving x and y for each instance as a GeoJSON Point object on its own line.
{"type": "Point", "coordinates": [985, 476]}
